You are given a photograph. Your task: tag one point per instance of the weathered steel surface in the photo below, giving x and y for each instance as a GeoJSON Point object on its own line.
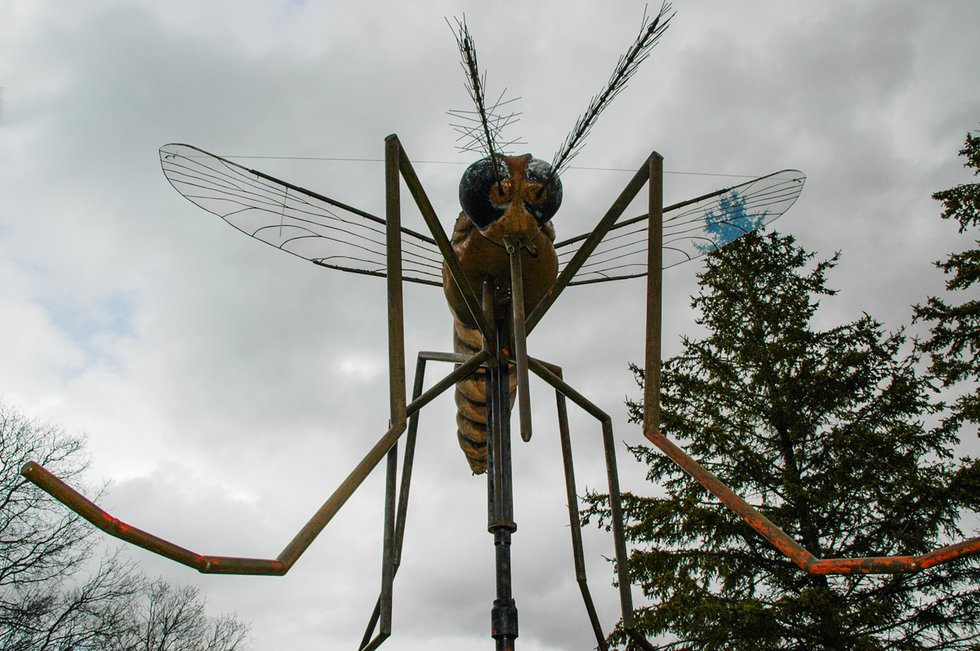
{"type": "Point", "coordinates": [500, 492]}
{"type": "Point", "coordinates": [655, 263]}
{"type": "Point", "coordinates": [115, 527]}
{"type": "Point", "coordinates": [574, 519]}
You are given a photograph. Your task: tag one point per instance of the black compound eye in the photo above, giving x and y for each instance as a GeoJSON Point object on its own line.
{"type": "Point", "coordinates": [543, 210]}
{"type": "Point", "coordinates": [474, 191]}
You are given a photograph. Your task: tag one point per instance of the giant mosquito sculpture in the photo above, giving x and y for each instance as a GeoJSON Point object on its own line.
{"type": "Point", "coordinates": [501, 272]}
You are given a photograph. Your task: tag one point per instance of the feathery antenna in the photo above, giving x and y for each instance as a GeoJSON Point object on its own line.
{"type": "Point", "coordinates": [628, 63]}
{"type": "Point", "coordinates": [480, 129]}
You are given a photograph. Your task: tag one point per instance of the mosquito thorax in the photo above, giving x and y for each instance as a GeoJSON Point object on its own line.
{"type": "Point", "coordinates": [485, 195]}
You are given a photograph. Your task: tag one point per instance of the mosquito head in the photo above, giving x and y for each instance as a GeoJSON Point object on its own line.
{"type": "Point", "coordinates": [526, 197]}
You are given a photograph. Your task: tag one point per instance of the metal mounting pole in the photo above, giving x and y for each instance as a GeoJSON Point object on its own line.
{"type": "Point", "coordinates": [500, 495]}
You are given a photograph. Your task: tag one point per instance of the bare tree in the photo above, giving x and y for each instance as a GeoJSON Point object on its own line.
{"type": "Point", "coordinates": [55, 594]}
{"type": "Point", "coordinates": [169, 618]}
{"type": "Point", "coordinates": [44, 548]}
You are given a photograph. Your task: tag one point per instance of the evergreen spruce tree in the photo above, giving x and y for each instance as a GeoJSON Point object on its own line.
{"type": "Point", "coordinates": [954, 342]}
{"type": "Point", "coordinates": [824, 432]}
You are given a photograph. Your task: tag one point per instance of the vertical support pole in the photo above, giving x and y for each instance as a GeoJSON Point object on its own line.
{"type": "Point", "coordinates": [396, 319]}
{"type": "Point", "coordinates": [489, 298]}
{"type": "Point", "coordinates": [500, 495]}
{"type": "Point", "coordinates": [655, 264]}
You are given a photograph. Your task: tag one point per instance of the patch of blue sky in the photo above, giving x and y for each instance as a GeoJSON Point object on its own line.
{"type": "Point", "coordinates": [92, 325]}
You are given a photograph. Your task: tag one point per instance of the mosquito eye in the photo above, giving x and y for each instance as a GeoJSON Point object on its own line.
{"type": "Point", "coordinates": [474, 191]}
{"type": "Point", "coordinates": [539, 172]}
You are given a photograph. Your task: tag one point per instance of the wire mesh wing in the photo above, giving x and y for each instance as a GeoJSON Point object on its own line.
{"type": "Point", "coordinates": [691, 228]}
{"type": "Point", "coordinates": [293, 219]}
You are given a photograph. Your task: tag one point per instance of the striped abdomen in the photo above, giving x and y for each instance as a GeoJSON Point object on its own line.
{"type": "Point", "coordinates": [471, 400]}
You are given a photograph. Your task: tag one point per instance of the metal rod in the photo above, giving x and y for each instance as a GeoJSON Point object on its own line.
{"type": "Point", "coordinates": [410, 440]}
{"type": "Point", "coordinates": [403, 492]}
{"type": "Point", "coordinates": [619, 529]}
{"type": "Point", "coordinates": [500, 498]}
{"type": "Point", "coordinates": [442, 240]}
{"type": "Point", "coordinates": [396, 317]}
{"type": "Point", "coordinates": [493, 413]}
{"type": "Point", "coordinates": [606, 223]}
{"type": "Point", "coordinates": [234, 565]}
{"type": "Point", "coordinates": [655, 256]}
{"type": "Point", "coordinates": [756, 520]}
{"type": "Point", "coordinates": [574, 519]}
{"type": "Point", "coordinates": [505, 511]}
{"type": "Point", "coordinates": [81, 505]}
{"type": "Point", "coordinates": [460, 372]}
{"type": "Point", "coordinates": [366, 640]}
{"type": "Point", "coordinates": [519, 337]}
{"type": "Point", "coordinates": [546, 372]}
{"type": "Point", "coordinates": [612, 478]}
{"type": "Point", "coordinates": [388, 547]}
{"type": "Point", "coordinates": [357, 476]}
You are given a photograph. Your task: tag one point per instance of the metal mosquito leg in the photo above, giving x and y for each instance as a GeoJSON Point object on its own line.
{"type": "Point", "coordinates": [208, 564]}
{"type": "Point", "coordinates": [519, 336]}
{"type": "Point", "coordinates": [615, 501]}
{"type": "Point", "coordinates": [796, 552]}
{"type": "Point", "coordinates": [383, 607]}
{"type": "Point", "coordinates": [410, 440]}
{"type": "Point", "coordinates": [655, 257]}
{"type": "Point", "coordinates": [396, 373]}
{"type": "Point", "coordinates": [388, 547]}
{"type": "Point", "coordinates": [395, 151]}
{"type": "Point", "coordinates": [762, 525]}
{"type": "Point", "coordinates": [396, 313]}
{"type": "Point", "coordinates": [392, 560]}
{"type": "Point", "coordinates": [574, 517]}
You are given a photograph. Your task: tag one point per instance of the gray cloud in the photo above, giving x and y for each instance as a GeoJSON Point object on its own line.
{"type": "Point", "coordinates": [227, 389]}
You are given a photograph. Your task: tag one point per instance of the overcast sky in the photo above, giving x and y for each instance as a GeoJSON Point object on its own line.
{"type": "Point", "coordinates": [226, 389]}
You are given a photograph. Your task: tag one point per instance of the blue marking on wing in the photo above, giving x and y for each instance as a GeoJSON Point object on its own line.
{"type": "Point", "coordinates": [731, 221]}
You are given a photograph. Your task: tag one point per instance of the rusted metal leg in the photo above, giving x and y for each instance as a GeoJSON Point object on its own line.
{"type": "Point", "coordinates": [396, 313]}
{"type": "Point", "coordinates": [403, 492]}
{"type": "Point", "coordinates": [655, 257]}
{"type": "Point", "coordinates": [388, 545]}
{"type": "Point", "coordinates": [392, 559]}
{"type": "Point", "coordinates": [796, 552]}
{"type": "Point", "coordinates": [404, 166]}
{"type": "Point", "coordinates": [574, 517]}
{"type": "Point", "coordinates": [208, 564]}
{"type": "Point", "coordinates": [546, 373]}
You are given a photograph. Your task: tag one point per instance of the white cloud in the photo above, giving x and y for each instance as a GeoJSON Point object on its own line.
{"type": "Point", "coordinates": [227, 389]}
